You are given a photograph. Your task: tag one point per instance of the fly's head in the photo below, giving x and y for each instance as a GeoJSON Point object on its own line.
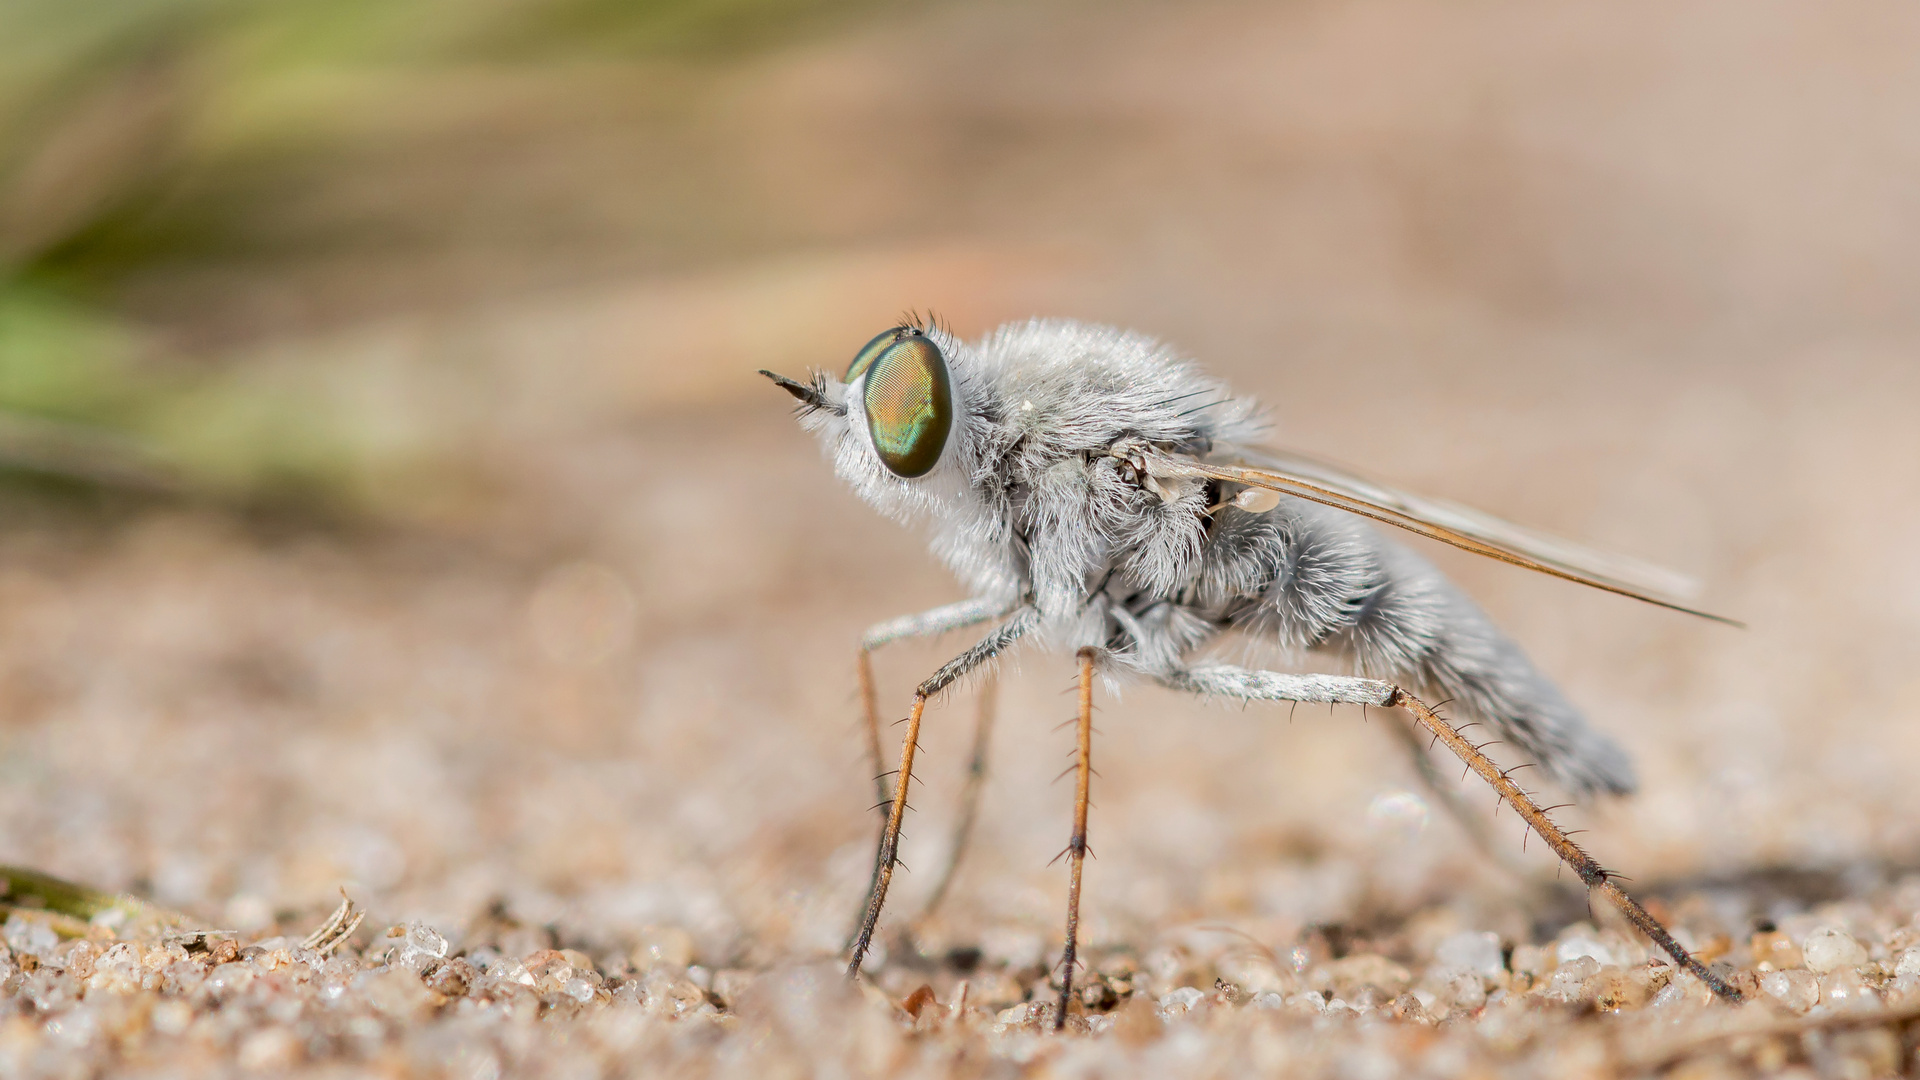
{"type": "Point", "coordinates": [1031, 451]}
{"type": "Point", "coordinates": [903, 424]}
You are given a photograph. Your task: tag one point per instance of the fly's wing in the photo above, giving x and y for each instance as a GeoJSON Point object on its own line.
{"type": "Point", "coordinates": [1445, 521]}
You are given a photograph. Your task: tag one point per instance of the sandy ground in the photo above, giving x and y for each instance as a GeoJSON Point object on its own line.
{"type": "Point", "coordinates": [577, 704]}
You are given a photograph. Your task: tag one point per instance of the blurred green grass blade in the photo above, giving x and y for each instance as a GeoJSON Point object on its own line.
{"type": "Point", "coordinates": [32, 890]}
{"type": "Point", "coordinates": [78, 402]}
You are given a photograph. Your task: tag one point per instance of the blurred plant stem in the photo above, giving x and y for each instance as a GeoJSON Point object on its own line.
{"type": "Point", "coordinates": [74, 910]}
{"type": "Point", "coordinates": [75, 403]}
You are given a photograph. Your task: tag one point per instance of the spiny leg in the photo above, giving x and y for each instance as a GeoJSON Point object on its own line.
{"type": "Point", "coordinates": [1472, 819]}
{"type": "Point", "coordinates": [1226, 681]}
{"type": "Point", "coordinates": [1006, 634]}
{"type": "Point", "coordinates": [924, 624]}
{"type": "Point", "coordinates": [986, 699]}
{"type": "Point", "coordinates": [1591, 873]}
{"type": "Point", "coordinates": [1446, 794]}
{"type": "Point", "coordinates": [889, 851]}
{"type": "Point", "coordinates": [1077, 847]}
{"type": "Point", "coordinates": [870, 708]}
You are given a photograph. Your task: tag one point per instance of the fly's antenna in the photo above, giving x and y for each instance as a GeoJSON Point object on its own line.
{"type": "Point", "coordinates": [809, 395]}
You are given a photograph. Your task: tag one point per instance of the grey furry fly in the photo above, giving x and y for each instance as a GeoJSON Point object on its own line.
{"type": "Point", "coordinates": [1095, 491]}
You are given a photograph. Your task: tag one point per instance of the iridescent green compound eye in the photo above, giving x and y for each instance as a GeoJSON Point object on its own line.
{"type": "Point", "coordinates": [869, 352]}
{"type": "Point", "coordinates": [909, 404]}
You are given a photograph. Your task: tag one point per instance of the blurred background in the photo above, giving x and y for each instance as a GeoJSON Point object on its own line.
{"type": "Point", "coordinates": [389, 501]}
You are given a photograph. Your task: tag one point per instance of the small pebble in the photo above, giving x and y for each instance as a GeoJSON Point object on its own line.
{"type": "Point", "coordinates": [1465, 991]}
{"type": "Point", "coordinates": [1829, 949]}
{"type": "Point", "coordinates": [1477, 951]}
{"type": "Point", "coordinates": [1569, 980]}
{"type": "Point", "coordinates": [1181, 1001]}
{"type": "Point", "coordinates": [1845, 989]}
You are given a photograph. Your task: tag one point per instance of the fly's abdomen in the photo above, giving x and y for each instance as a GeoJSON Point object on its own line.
{"type": "Point", "coordinates": [1314, 578]}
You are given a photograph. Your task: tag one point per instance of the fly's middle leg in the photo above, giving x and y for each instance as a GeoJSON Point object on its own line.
{"type": "Point", "coordinates": [1077, 846]}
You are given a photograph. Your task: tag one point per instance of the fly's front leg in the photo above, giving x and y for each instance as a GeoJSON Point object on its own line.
{"type": "Point", "coordinates": [925, 624]}
{"type": "Point", "coordinates": [1008, 632]}
{"type": "Point", "coordinates": [1248, 685]}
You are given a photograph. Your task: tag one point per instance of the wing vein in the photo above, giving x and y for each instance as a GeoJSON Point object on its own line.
{"type": "Point", "coordinates": [1465, 529]}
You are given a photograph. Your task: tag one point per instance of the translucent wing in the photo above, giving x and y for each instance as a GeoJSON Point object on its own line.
{"type": "Point", "coordinates": [1445, 521]}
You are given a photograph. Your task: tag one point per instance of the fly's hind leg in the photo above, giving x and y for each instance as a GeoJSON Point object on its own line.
{"type": "Point", "coordinates": [1443, 791]}
{"type": "Point", "coordinates": [888, 855]}
{"type": "Point", "coordinates": [1250, 685]}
